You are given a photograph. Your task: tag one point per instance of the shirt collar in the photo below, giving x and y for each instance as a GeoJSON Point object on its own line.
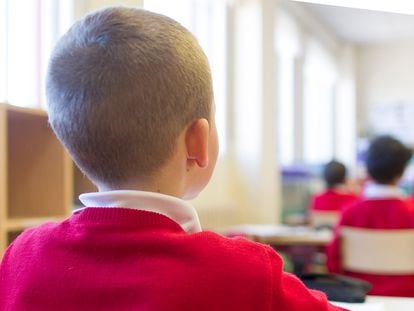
{"type": "Point", "coordinates": [174, 208]}
{"type": "Point", "coordinates": [378, 191]}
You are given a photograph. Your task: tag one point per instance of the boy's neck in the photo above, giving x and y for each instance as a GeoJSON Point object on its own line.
{"type": "Point", "coordinates": [159, 187]}
{"type": "Point", "coordinates": [169, 180]}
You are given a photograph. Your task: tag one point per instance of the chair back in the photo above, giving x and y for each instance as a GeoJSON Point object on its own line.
{"type": "Point", "coordinates": [377, 251]}
{"type": "Point", "coordinates": [323, 218]}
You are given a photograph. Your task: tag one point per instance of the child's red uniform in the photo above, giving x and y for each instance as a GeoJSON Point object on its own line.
{"type": "Point", "coordinates": [383, 207]}
{"type": "Point", "coordinates": [149, 256]}
{"type": "Point", "coordinates": [332, 200]}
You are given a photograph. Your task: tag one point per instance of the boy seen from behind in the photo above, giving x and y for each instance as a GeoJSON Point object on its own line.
{"type": "Point", "coordinates": [337, 195]}
{"type": "Point", "coordinates": [383, 206]}
{"type": "Point", "coordinates": [326, 206]}
{"type": "Point", "coordinates": [130, 97]}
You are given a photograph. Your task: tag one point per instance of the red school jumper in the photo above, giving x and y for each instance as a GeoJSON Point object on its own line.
{"type": "Point", "coordinates": [126, 259]}
{"type": "Point", "coordinates": [376, 213]}
{"type": "Point", "coordinates": [332, 200]}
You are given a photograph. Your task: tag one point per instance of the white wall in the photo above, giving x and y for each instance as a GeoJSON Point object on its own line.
{"type": "Point", "coordinates": [385, 73]}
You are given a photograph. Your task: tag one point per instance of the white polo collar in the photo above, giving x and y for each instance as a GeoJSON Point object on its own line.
{"type": "Point", "coordinates": [378, 191]}
{"type": "Point", "coordinates": [174, 208]}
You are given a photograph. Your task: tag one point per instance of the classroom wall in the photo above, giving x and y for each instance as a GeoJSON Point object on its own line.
{"type": "Point", "coordinates": [384, 75]}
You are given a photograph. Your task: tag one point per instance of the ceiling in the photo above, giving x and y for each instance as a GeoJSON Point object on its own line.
{"type": "Point", "coordinates": [362, 26]}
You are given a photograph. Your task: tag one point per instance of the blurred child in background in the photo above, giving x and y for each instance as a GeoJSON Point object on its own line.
{"type": "Point", "coordinates": [383, 206]}
{"type": "Point", "coordinates": [325, 206]}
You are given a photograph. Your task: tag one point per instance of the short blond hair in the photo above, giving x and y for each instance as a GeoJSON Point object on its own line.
{"type": "Point", "coordinates": [122, 84]}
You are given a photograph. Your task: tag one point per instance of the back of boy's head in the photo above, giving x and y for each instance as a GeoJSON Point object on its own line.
{"type": "Point", "coordinates": [334, 173]}
{"type": "Point", "coordinates": [122, 84]}
{"type": "Point", "coordinates": [386, 159]}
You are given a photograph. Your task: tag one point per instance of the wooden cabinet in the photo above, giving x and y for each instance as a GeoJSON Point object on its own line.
{"type": "Point", "coordinates": [37, 175]}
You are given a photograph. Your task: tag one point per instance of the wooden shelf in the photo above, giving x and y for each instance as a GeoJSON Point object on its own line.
{"type": "Point", "coordinates": [25, 111]}
{"type": "Point", "coordinates": [21, 224]}
{"type": "Point", "coordinates": [12, 235]}
{"type": "Point", "coordinates": [37, 184]}
{"type": "Point", "coordinates": [37, 166]}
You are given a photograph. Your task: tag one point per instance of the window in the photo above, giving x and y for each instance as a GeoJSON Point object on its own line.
{"type": "Point", "coordinates": [307, 90]}
{"type": "Point", "coordinates": [27, 37]}
{"type": "Point", "coordinates": [318, 105]}
{"type": "Point", "coordinates": [287, 50]}
{"type": "Point", "coordinates": [3, 51]}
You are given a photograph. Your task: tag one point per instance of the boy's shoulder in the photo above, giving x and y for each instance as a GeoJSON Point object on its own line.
{"type": "Point", "coordinates": [377, 212]}
{"type": "Point", "coordinates": [206, 248]}
{"type": "Point", "coordinates": [35, 236]}
{"type": "Point", "coordinates": [204, 243]}
{"type": "Point", "coordinates": [375, 203]}
{"type": "Point", "coordinates": [178, 258]}
{"type": "Point", "coordinates": [234, 243]}
{"type": "Point", "coordinates": [44, 229]}
{"type": "Point", "coordinates": [239, 249]}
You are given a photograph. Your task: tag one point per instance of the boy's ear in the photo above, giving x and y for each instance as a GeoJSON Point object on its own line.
{"type": "Point", "coordinates": [196, 141]}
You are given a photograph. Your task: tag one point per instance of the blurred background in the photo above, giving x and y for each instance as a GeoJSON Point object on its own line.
{"type": "Point", "coordinates": [297, 83]}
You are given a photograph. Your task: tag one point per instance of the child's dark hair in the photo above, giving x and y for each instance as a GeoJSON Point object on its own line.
{"type": "Point", "coordinates": [334, 173]}
{"type": "Point", "coordinates": [386, 159]}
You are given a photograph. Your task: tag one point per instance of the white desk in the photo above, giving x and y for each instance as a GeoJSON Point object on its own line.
{"type": "Point", "coordinates": [378, 303]}
{"type": "Point", "coordinates": [299, 243]}
{"type": "Point", "coordinates": [281, 235]}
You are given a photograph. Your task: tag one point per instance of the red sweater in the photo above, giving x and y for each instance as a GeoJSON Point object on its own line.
{"type": "Point", "coordinates": [332, 200]}
{"type": "Point", "coordinates": [125, 259]}
{"type": "Point", "coordinates": [389, 213]}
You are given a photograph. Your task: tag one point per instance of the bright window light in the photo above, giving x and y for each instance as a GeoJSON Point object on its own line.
{"type": "Point", "coordinates": [23, 55]}
{"type": "Point", "coordinates": [287, 50]}
{"type": "Point", "coordinates": [286, 111]}
{"type": "Point", "coordinates": [3, 51]}
{"type": "Point", "coordinates": [27, 37]}
{"type": "Point", "coordinates": [319, 88]}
